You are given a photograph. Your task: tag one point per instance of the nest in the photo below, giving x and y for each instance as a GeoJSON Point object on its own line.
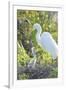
{"type": "Point", "coordinates": [38, 72]}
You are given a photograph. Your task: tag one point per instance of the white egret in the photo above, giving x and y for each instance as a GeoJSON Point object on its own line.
{"type": "Point", "coordinates": [46, 41]}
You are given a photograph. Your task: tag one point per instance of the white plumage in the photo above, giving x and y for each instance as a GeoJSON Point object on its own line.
{"type": "Point", "coordinates": [46, 41]}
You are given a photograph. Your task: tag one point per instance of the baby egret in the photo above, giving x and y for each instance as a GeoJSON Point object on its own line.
{"type": "Point", "coordinates": [46, 41]}
{"type": "Point", "coordinates": [32, 62]}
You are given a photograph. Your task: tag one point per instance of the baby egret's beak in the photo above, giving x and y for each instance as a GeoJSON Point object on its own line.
{"type": "Point", "coordinates": [34, 28]}
{"type": "Point", "coordinates": [34, 31]}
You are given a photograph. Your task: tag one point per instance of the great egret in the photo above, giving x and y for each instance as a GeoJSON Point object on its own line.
{"type": "Point", "coordinates": [46, 41]}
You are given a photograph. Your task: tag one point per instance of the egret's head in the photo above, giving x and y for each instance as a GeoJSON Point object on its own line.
{"type": "Point", "coordinates": [37, 27]}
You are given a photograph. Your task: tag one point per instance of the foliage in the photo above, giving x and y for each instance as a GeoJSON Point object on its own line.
{"type": "Point", "coordinates": [22, 57]}
{"type": "Point", "coordinates": [26, 38]}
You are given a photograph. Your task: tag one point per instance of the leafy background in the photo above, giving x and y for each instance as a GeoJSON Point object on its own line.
{"type": "Point", "coordinates": [26, 39]}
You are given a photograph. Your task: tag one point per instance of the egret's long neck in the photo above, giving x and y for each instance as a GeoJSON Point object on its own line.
{"type": "Point", "coordinates": [38, 37]}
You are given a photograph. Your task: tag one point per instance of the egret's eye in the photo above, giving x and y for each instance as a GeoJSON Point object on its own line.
{"type": "Point", "coordinates": [26, 21]}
